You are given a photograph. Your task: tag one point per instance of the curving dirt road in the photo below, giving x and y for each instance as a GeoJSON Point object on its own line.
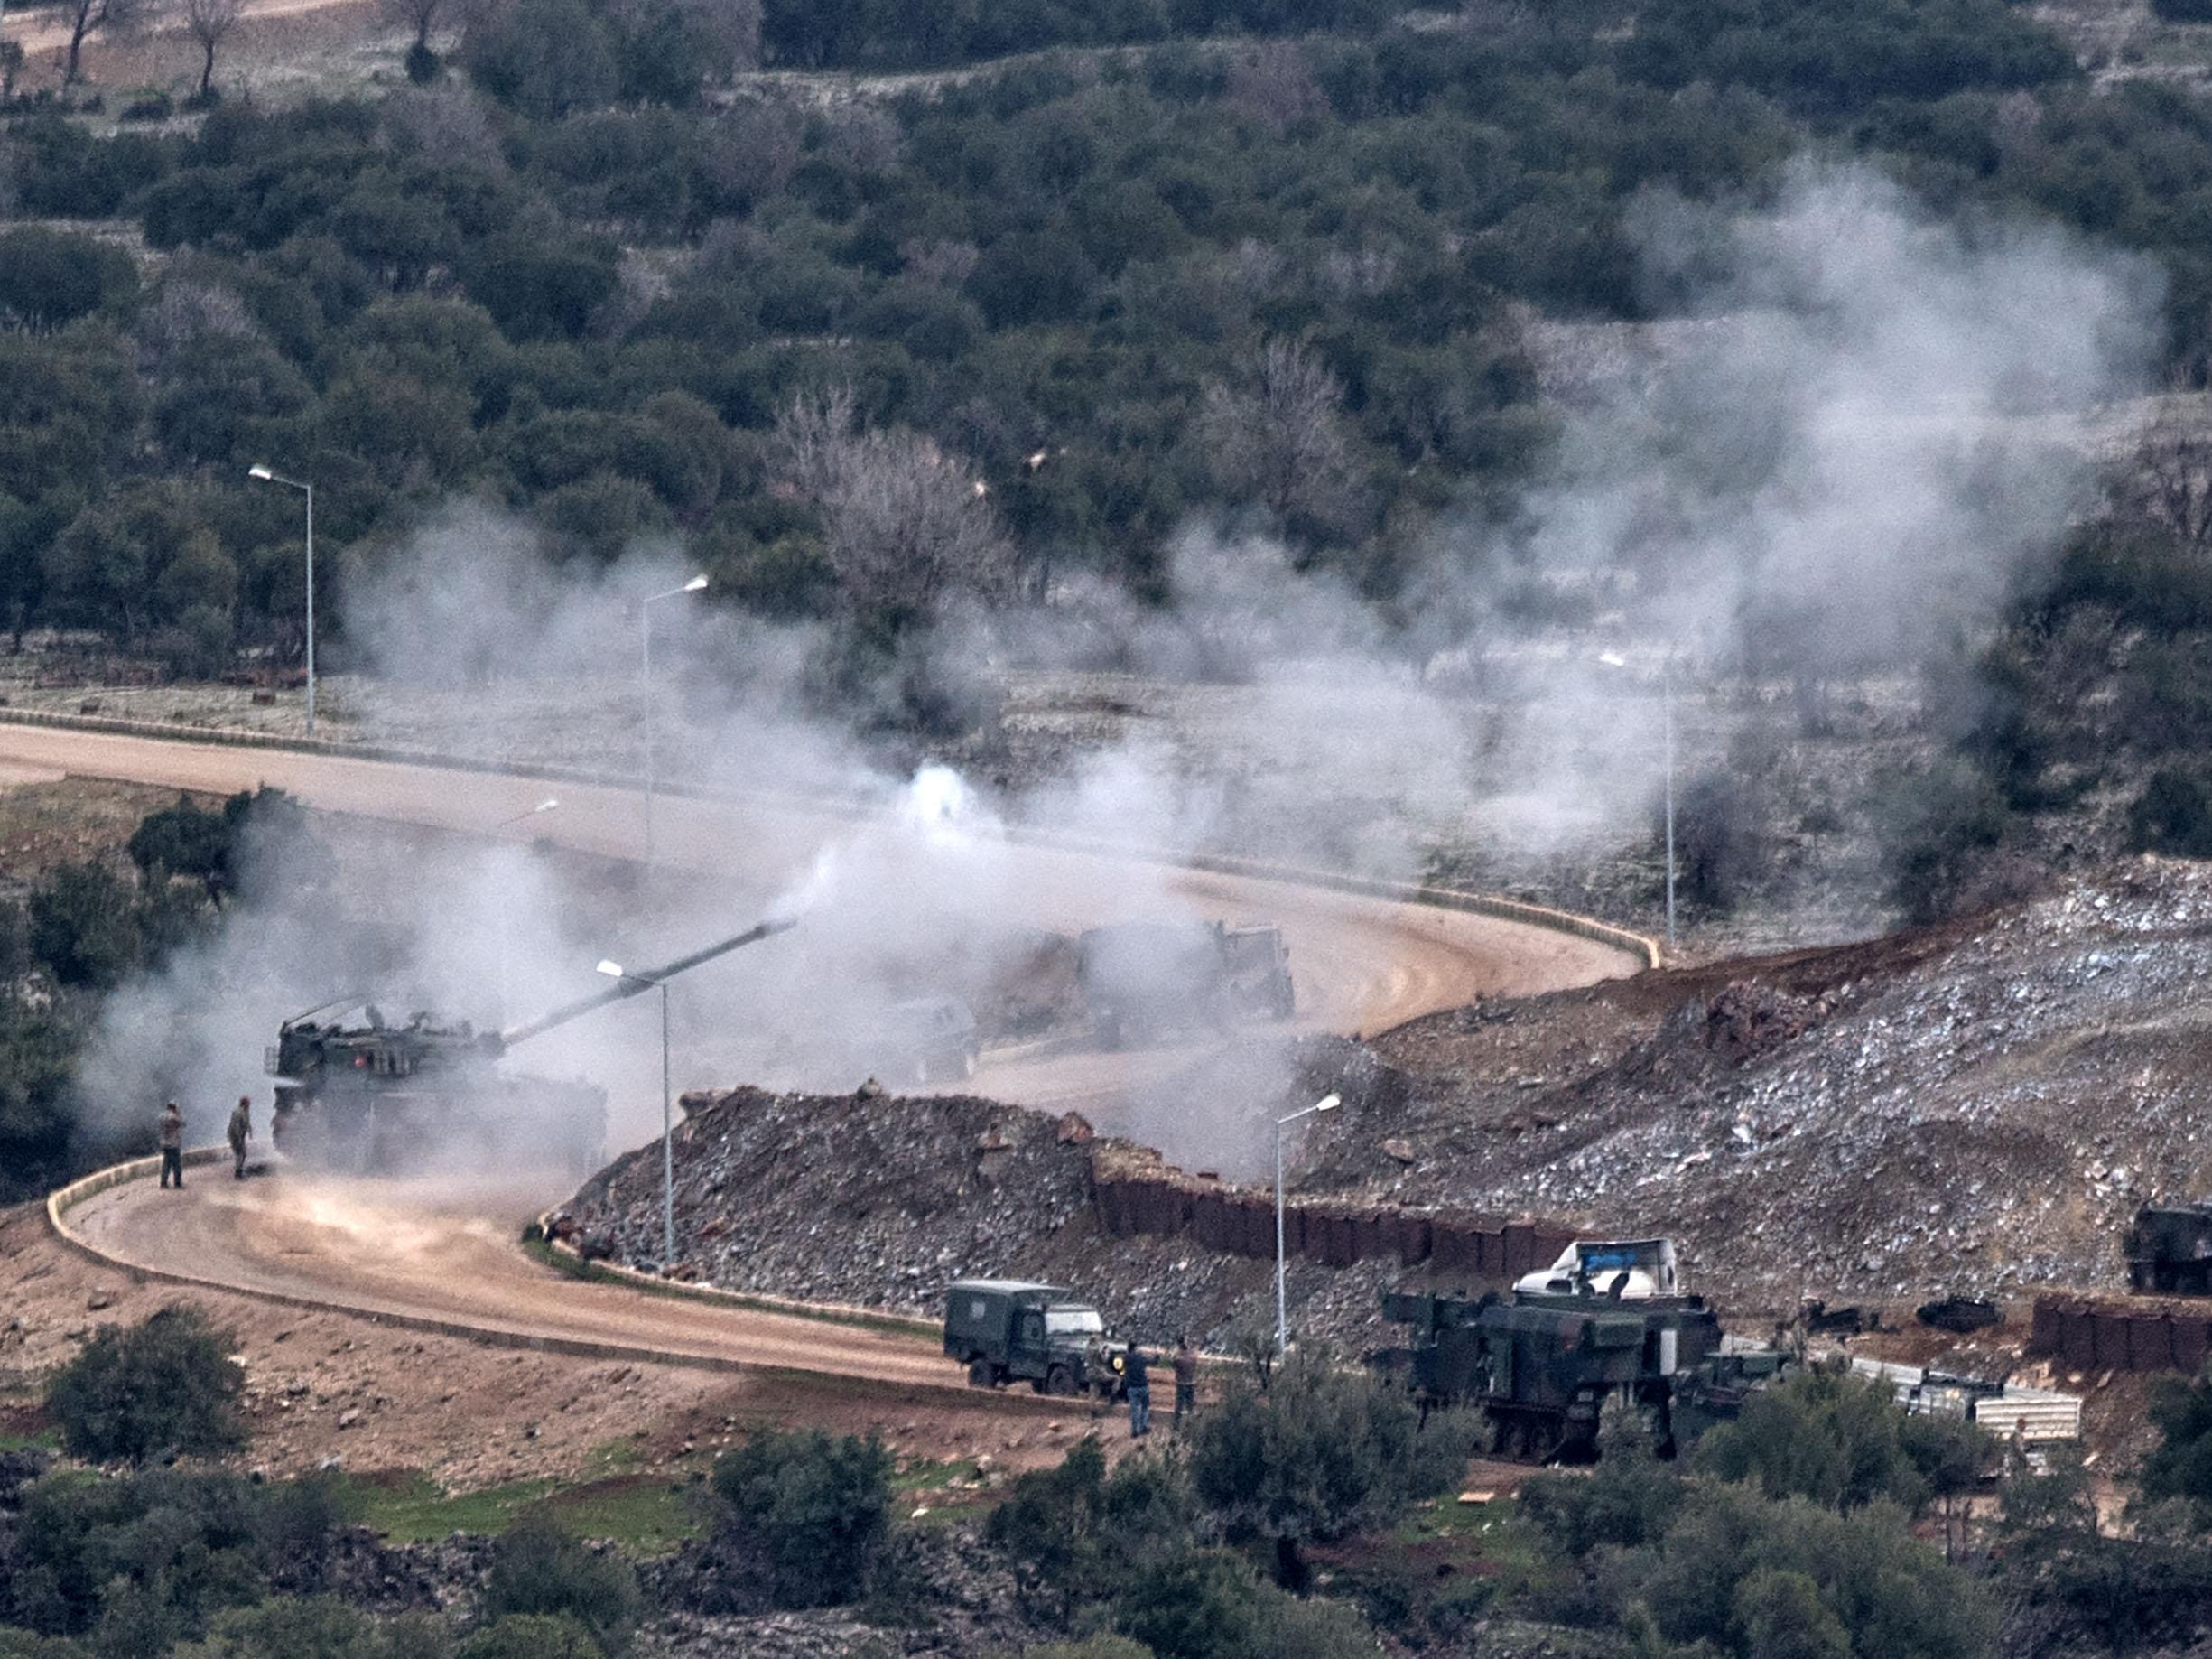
{"type": "Point", "coordinates": [1360, 964]}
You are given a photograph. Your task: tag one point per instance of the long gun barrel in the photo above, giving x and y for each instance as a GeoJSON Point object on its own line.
{"type": "Point", "coordinates": [631, 984]}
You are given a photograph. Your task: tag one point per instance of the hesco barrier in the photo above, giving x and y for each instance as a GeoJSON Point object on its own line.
{"type": "Point", "coordinates": [2099, 1335]}
{"type": "Point", "coordinates": [1164, 1203]}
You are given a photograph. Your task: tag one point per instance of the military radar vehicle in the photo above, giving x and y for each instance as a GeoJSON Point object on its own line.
{"type": "Point", "coordinates": [1143, 980]}
{"type": "Point", "coordinates": [357, 1092]}
{"type": "Point", "coordinates": [1009, 1330]}
{"type": "Point", "coordinates": [1541, 1364]}
{"type": "Point", "coordinates": [2170, 1250]}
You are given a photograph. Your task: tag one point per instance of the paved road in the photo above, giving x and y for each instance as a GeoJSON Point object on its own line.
{"type": "Point", "coordinates": [1362, 963]}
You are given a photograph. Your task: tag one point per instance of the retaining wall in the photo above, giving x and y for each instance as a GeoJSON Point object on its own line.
{"type": "Point", "coordinates": [1164, 1203]}
{"type": "Point", "coordinates": [2086, 1335]}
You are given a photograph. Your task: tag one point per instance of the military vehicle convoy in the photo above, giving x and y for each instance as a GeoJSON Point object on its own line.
{"type": "Point", "coordinates": [1007, 1330]}
{"type": "Point", "coordinates": [1607, 1322]}
{"type": "Point", "coordinates": [358, 1093]}
{"type": "Point", "coordinates": [1145, 980]}
{"type": "Point", "coordinates": [2170, 1250]}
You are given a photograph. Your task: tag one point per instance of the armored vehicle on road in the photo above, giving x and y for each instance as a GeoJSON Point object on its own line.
{"type": "Point", "coordinates": [1142, 980]}
{"type": "Point", "coordinates": [355, 1092]}
{"type": "Point", "coordinates": [2170, 1250]}
{"type": "Point", "coordinates": [1007, 1330]}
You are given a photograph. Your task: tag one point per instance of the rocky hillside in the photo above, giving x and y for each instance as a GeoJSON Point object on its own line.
{"type": "Point", "coordinates": [1981, 1107]}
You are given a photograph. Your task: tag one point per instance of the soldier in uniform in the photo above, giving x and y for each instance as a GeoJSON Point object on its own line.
{"type": "Point", "coordinates": [172, 1145]}
{"type": "Point", "coordinates": [241, 1132]}
{"type": "Point", "coordinates": [1187, 1378]}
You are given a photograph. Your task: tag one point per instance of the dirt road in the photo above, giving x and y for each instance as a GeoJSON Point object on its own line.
{"type": "Point", "coordinates": [1362, 963]}
{"type": "Point", "coordinates": [376, 1247]}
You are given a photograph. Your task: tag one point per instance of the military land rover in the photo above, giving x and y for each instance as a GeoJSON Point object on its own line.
{"type": "Point", "coordinates": [1007, 1330]}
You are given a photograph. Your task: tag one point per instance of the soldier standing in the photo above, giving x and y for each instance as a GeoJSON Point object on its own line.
{"type": "Point", "coordinates": [1140, 1393]}
{"type": "Point", "coordinates": [172, 1145]}
{"type": "Point", "coordinates": [1187, 1378]}
{"type": "Point", "coordinates": [241, 1132]}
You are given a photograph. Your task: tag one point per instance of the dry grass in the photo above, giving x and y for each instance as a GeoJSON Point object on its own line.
{"type": "Point", "coordinates": [48, 822]}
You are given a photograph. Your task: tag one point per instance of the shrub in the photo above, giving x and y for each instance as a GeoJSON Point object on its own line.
{"type": "Point", "coordinates": [531, 1635]}
{"type": "Point", "coordinates": [538, 1569]}
{"type": "Point", "coordinates": [1945, 827]}
{"type": "Point", "coordinates": [2173, 814]}
{"type": "Point", "coordinates": [1321, 1454]}
{"type": "Point", "coordinates": [1828, 1437]}
{"type": "Point", "coordinates": [815, 1510]}
{"type": "Point", "coordinates": [165, 1385]}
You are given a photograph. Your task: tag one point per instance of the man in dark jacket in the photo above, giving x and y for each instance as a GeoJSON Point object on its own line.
{"type": "Point", "coordinates": [1186, 1379]}
{"type": "Point", "coordinates": [1140, 1393]}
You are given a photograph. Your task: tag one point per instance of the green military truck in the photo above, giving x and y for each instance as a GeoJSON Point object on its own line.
{"type": "Point", "coordinates": [1007, 1330]}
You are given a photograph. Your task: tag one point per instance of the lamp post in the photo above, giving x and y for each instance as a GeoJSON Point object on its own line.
{"type": "Point", "coordinates": [1282, 1306]}
{"type": "Point", "coordinates": [1611, 660]}
{"type": "Point", "coordinates": [267, 477]}
{"type": "Point", "coordinates": [547, 805]}
{"type": "Point", "coordinates": [613, 970]}
{"type": "Point", "coordinates": [644, 684]}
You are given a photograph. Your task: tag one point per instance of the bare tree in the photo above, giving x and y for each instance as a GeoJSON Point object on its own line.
{"type": "Point", "coordinates": [2169, 479]}
{"type": "Point", "coordinates": [906, 526]}
{"type": "Point", "coordinates": [420, 15]}
{"type": "Point", "coordinates": [1281, 440]}
{"type": "Point", "coordinates": [108, 17]}
{"type": "Point", "coordinates": [208, 21]}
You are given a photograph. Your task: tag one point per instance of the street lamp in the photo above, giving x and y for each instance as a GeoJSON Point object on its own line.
{"type": "Point", "coordinates": [613, 970]}
{"type": "Point", "coordinates": [1282, 1309]}
{"type": "Point", "coordinates": [506, 924]}
{"type": "Point", "coordinates": [267, 477]}
{"type": "Point", "coordinates": [547, 805]}
{"type": "Point", "coordinates": [1613, 659]}
{"type": "Point", "coordinates": [644, 684]}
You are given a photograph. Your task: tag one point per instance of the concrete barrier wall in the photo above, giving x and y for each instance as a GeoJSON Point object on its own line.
{"type": "Point", "coordinates": [1162, 1202]}
{"type": "Point", "coordinates": [2086, 1334]}
{"type": "Point", "coordinates": [1639, 945]}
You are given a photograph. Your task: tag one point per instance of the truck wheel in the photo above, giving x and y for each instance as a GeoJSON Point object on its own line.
{"type": "Point", "coordinates": [1060, 1380]}
{"type": "Point", "coordinates": [982, 1373]}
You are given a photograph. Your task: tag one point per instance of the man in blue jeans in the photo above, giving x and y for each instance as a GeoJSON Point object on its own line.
{"type": "Point", "coordinates": [1140, 1395]}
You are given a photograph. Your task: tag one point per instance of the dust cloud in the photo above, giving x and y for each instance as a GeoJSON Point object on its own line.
{"type": "Point", "coordinates": [1849, 443]}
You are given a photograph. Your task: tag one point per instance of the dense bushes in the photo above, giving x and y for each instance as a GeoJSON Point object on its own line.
{"type": "Point", "coordinates": [541, 1574]}
{"type": "Point", "coordinates": [811, 1512]}
{"type": "Point", "coordinates": [1057, 260]}
{"type": "Point", "coordinates": [164, 1385]}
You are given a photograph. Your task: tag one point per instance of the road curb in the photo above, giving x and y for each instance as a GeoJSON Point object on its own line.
{"type": "Point", "coordinates": [63, 1199]}
{"type": "Point", "coordinates": [758, 1301]}
{"type": "Point", "coordinates": [1642, 946]}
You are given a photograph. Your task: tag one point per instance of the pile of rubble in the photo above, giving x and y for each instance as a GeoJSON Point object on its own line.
{"type": "Point", "coordinates": [880, 1201]}
{"type": "Point", "coordinates": [1978, 1108]}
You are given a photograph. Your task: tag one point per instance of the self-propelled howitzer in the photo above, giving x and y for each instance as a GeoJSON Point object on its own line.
{"type": "Point", "coordinates": [356, 1091]}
